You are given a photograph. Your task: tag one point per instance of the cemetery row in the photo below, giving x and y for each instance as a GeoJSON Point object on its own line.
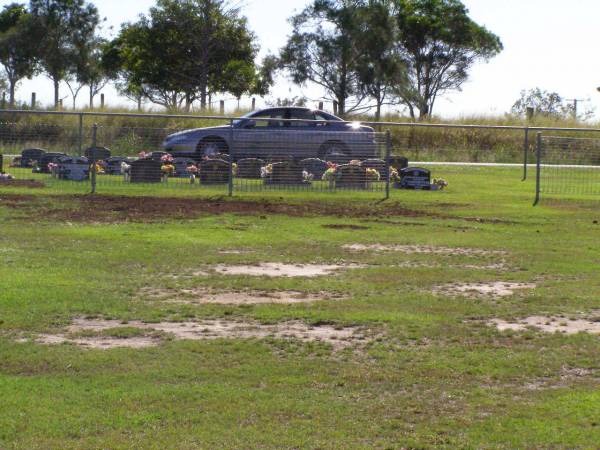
{"type": "Point", "coordinates": [157, 167]}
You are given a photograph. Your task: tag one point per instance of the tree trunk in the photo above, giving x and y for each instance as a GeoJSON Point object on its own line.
{"type": "Point", "coordinates": [11, 95]}
{"type": "Point", "coordinates": [203, 97]}
{"type": "Point", "coordinates": [91, 98]}
{"type": "Point", "coordinates": [56, 83]}
{"type": "Point", "coordinates": [139, 103]}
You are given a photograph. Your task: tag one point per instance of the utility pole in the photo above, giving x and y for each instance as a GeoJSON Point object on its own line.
{"type": "Point", "coordinates": [575, 103]}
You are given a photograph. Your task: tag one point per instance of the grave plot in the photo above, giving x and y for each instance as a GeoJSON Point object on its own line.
{"type": "Point", "coordinates": [202, 296]}
{"type": "Point", "coordinates": [552, 324]}
{"type": "Point", "coordinates": [494, 289]}
{"type": "Point", "coordinates": [108, 334]}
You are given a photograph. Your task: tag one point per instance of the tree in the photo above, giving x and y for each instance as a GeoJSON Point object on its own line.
{"type": "Point", "coordinates": [323, 49]}
{"type": "Point", "coordinates": [546, 104]}
{"type": "Point", "coordinates": [380, 66]}
{"type": "Point", "coordinates": [90, 68]}
{"type": "Point", "coordinates": [440, 43]}
{"type": "Point", "coordinates": [18, 43]}
{"type": "Point", "coordinates": [66, 26]}
{"type": "Point", "coordinates": [177, 53]}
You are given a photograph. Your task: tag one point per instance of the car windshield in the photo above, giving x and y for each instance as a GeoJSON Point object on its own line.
{"type": "Point", "coordinates": [243, 119]}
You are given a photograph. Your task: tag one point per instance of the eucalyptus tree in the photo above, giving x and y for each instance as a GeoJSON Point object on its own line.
{"type": "Point", "coordinates": [323, 49]}
{"type": "Point", "coordinates": [66, 26]}
{"type": "Point", "coordinates": [440, 44]}
{"type": "Point", "coordinates": [18, 46]}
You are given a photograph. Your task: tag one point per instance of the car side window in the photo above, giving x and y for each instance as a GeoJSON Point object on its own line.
{"type": "Point", "coordinates": [261, 123]}
{"type": "Point", "coordinates": [276, 121]}
{"type": "Point", "coordinates": [302, 115]}
{"type": "Point", "coordinates": [320, 117]}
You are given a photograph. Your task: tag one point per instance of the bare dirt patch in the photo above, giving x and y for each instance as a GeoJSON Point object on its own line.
{"type": "Point", "coordinates": [116, 209]}
{"type": "Point", "coordinates": [202, 296]}
{"type": "Point", "coordinates": [283, 270]}
{"type": "Point", "coordinates": [32, 184]}
{"type": "Point", "coordinates": [423, 249]}
{"type": "Point", "coordinates": [344, 226]}
{"type": "Point", "coordinates": [495, 289]}
{"type": "Point", "coordinates": [550, 324]}
{"type": "Point", "coordinates": [338, 337]}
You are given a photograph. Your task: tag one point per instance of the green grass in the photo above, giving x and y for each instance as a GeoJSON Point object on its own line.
{"type": "Point", "coordinates": [437, 376]}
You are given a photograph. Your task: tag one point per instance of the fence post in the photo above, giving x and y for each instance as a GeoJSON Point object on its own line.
{"type": "Point", "coordinates": [80, 137]}
{"type": "Point", "coordinates": [388, 153]}
{"type": "Point", "coordinates": [231, 154]}
{"type": "Point", "coordinates": [93, 156]}
{"type": "Point", "coordinates": [525, 154]}
{"type": "Point", "coordinates": [538, 170]}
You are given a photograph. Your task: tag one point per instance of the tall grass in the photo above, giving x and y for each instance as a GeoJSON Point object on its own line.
{"type": "Point", "coordinates": [129, 135]}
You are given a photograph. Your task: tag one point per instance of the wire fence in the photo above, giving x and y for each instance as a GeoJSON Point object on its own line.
{"type": "Point", "coordinates": [568, 166]}
{"type": "Point", "coordinates": [108, 151]}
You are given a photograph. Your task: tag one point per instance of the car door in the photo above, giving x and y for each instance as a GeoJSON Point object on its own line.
{"type": "Point", "coordinates": [301, 139]}
{"type": "Point", "coordinates": [260, 134]}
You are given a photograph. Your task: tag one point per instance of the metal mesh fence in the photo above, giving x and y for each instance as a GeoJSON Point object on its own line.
{"type": "Point", "coordinates": [568, 166]}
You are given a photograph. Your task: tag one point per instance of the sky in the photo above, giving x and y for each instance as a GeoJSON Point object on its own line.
{"type": "Point", "coordinates": [551, 44]}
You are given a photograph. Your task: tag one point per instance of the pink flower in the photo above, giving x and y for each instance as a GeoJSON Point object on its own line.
{"type": "Point", "coordinates": [166, 159]}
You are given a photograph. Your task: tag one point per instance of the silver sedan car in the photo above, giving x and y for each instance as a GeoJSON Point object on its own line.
{"type": "Point", "coordinates": [278, 132]}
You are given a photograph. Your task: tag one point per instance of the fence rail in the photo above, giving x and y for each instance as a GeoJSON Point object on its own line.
{"type": "Point", "coordinates": [252, 155]}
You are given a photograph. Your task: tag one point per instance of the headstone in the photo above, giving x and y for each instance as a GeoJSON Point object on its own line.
{"type": "Point", "coordinates": [146, 171]}
{"type": "Point", "coordinates": [158, 155]}
{"type": "Point", "coordinates": [181, 165]}
{"type": "Point", "coordinates": [73, 168]}
{"type": "Point", "coordinates": [415, 178]}
{"type": "Point", "coordinates": [97, 153]}
{"type": "Point", "coordinates": [113, 165]}
{"type": "Point", "coordinates": [379, 165]}
{"type": "Point", "coordinates": [214, 171]}
{"type": "Point", "coordinates": [286, 173]}
{"type": "Point", "coordinates": [30, 156]}
{"type": "Point", "coordinates": [314, 166]}
{"type": "Point", "coordinates": [47, 158]}
{"type": "Point", "coordinates": [250, 168]}
{"type": "Point", "coordinates": [398, 162]}
{"type": "Point", "coordinates": [351, 176]}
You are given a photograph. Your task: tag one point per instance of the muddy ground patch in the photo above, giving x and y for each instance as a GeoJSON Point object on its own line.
{"type": "Point", "coordinates": [107, 334]}
{"type": "Point", "coordinates": [111, 209]}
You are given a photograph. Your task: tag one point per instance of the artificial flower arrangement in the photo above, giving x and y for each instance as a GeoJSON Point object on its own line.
{"type": "Point", "coordinates": [167, 169]}
{"type": "Point", "coordinates": [266, 171]}
{"type": "Point", "coordinates": [53, 168]}
{"type": "Point", "coordinates": [234, 169]}
{"type": "Point", "coordinates": [440, 183]}
{"type": "Point", "coordinates": [144, 155]}
{"type": "Point", "coordinates": [100, 167]}
{"type": "Point", "coordinates": [307, 177]}
{"type": "Point", "coordinates": [166, 159]}
{"type": "Point", "coordinates": [126, 171]}
{"type": "Point", "coordinates": [373, 175]}
{"type": "Point", "coordinates": [192, 171]}
{"type": "Point", "coordinates": [394, 175]}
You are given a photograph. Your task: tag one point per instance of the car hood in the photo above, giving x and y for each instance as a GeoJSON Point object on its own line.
{"type": "Point", "coordinates": [196, 130]}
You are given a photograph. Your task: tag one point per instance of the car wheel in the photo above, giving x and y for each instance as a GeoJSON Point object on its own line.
{"type": "Point", "coordinates": [211, 147]}
{"type": "Point", "coordinates": [333, 150]}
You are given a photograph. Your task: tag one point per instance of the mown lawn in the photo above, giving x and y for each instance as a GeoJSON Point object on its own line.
{"type": "Point", "coordinates": [434, 374]}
